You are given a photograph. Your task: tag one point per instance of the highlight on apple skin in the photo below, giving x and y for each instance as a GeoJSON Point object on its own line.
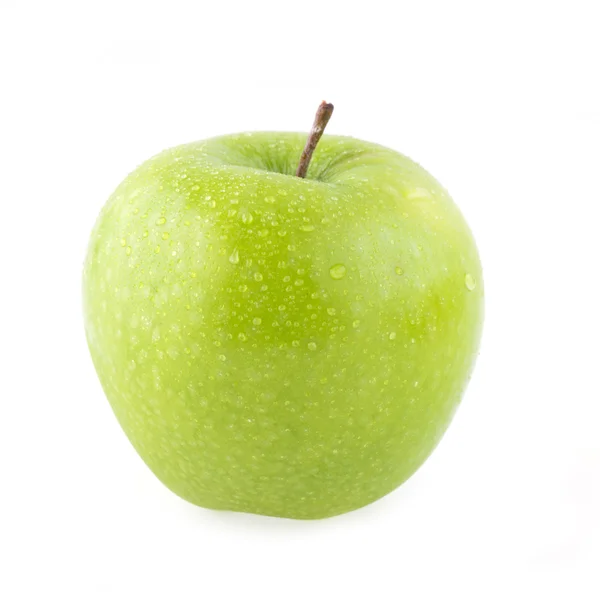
{"type": "Point", "coordinates": [282, 345]}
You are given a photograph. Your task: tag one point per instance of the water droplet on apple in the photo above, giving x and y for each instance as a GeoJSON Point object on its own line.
{"type": "Point", "coordinates": [165, 235]}
{"type": "Point", "coordinates": [258, 276]}
{"type": "Point", "coordinates": [257, 321]}
{"type": "Point", "coordinates": [312, 346]}
{"type": "Point", "coordinates": [123, 242]}
{"type": "Point", "coordinates": [393, 335]}
{"type": "Point", "coordinates": [418, 192]}
{"type": "Point", "coordinates": [234, 259]}
{"type": "Point", "coordinates": [222, 357]}
{"type": "Point", "coordinates": [338, 271]}
{"type": "Point", "coordinates": [242, 337]}
{"type": "Point", "coordinates": [263, 233]}
{"type": "Point", "coordinates": [307, 228]}
{"type": "Point", "coordinates": [269, 199]}
{"type": "Point", "coordinates": [161, 221]}
{"type": "Point", "coordinates": [399, 271]}
{"type": "Point", "coordinates": [247, 218]}
{"type": "Point", "coordinates": [470, 282]}
{"type": "Point", "coordinates": [355, 324]}
{"type": "Point", "coordinates": [128, 250]}
{"type": "Point", "coordinates": [331, 311]}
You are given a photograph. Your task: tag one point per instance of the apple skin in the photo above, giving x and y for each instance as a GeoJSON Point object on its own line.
{"type": "Point", "coordinates": [277, 345]}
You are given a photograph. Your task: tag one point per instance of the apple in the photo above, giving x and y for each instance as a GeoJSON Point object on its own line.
{"type": "Point", "coordinates": [286, 345]}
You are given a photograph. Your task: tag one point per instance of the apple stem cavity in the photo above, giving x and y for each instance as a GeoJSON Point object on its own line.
{"type": "Point", "coordinates": [321, 119]}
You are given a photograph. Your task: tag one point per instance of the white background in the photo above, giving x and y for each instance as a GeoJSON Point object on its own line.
{"type": "Point", "coordinates": [499, 100]}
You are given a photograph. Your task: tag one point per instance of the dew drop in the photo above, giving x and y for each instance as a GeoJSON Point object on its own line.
{"type": "Point", "coordinates": [247, 218]}
{"type": "Point", "coordinates": [222, 357]}
{"type": "Point", "coordinates": [312, 346]}
{"type": "Point", "coordinates": [256, 321]}
{"type": "Point", "coordinates": [242, 337]}
{"type": "Point", "coordinates": [399, 271]}
{"type": "Point", "coordinates": [234, 259]}
{"type": "Point", "coordinates": [307, 228]}
{"type": "Point", "coordinates": [269, 199]}
{"type": "Point", "coordinates": [393, 335]}
{"type": "Point", "coordinates": [470, 282]}
{"type": "Point", "coordinates": [128, 250]}
{"type": "Point", "coordinates": [161, 221]}
{"type": "Point", "coordinates": [337, 271]}
{"type": "Point", "coordinates": [165, 235]}
{"type": "Point", "coordinates": [331, 311]}
{"type": "Point", "coordinates": [258, 276]}
{"type": "Point", "coordinates": [123, 242]}
{"type": "Point", "coordinates": [355, 324]}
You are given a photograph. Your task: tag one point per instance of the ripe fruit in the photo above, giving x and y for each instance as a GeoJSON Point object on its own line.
{"type": "Point", "coordinates": [282, 345]}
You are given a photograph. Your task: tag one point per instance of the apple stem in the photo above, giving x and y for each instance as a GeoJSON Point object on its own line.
{"type": "Point", "coordinates": [321, 119]}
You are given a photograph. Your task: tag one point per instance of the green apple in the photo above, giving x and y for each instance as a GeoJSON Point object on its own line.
{"type": "Point", "coordinates": [276, 344]}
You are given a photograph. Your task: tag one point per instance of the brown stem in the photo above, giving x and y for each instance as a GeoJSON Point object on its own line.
{"type": "Point", "coordinates": [321, 119]}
